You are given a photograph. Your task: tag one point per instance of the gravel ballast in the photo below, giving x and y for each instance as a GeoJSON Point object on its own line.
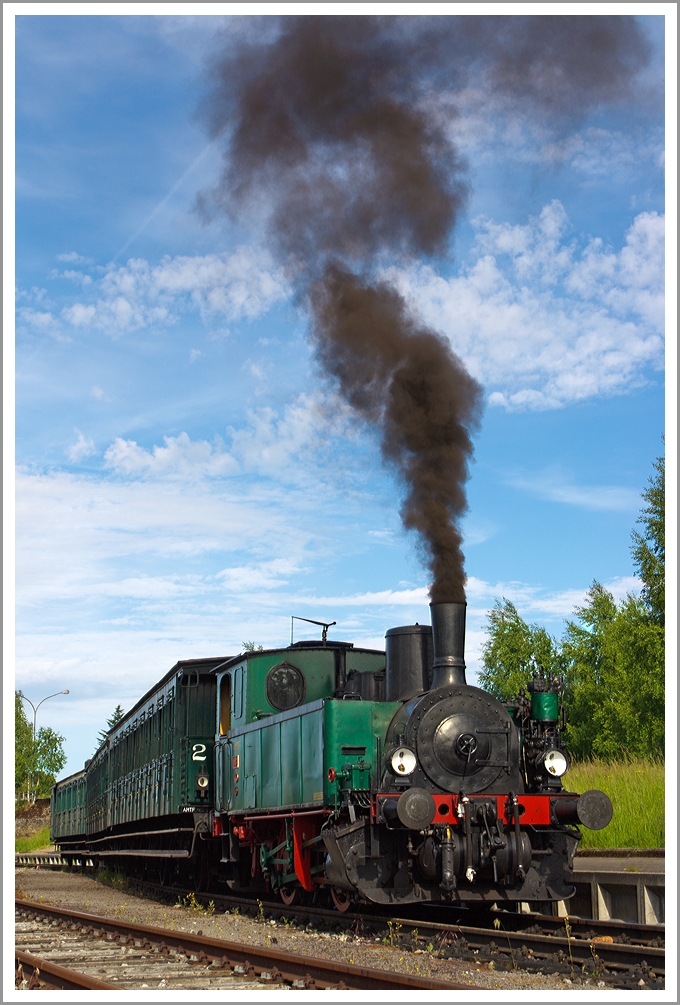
{"type": "Point", "coordinates": [83, 893]}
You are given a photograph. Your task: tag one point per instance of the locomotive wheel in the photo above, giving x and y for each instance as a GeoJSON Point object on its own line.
{"type": "Point", "coordinates": [288, 894]}
{"type": "Point", "coordinates": [341, 899]}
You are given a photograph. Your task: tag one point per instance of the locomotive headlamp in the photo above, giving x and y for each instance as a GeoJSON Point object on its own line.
{"type": "Point", "coordinates": [403, 761]}
{"type": "Point", "coordinates": [555, 763]}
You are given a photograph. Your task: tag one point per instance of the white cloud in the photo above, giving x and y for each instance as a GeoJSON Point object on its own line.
{"type": "Point", "coordinates": [43, 321]}
{"type": "Point", "coordinates": [82, 448]}
{"type": "Point", "coordinates": [595, 152]}
{"type": "Point", "coordinates": [542, 324]}
{"type": "Point", "coordinates": [153, 587]}
{"type": "Point", "coordinates": [628, 282]}
{"type": "Point", "coordinates": [78, 536]}
{"type": "Point", "coordinates": [621, 586]}
{"type": "Point", "coordinates": [257, 577]}
{"type": "Point", "coordinates": [79, 314]}
{"type": "Point", "coordinates": [553, 484]}
{"type": "Point", "coordinates": [179, 458]}
{"type": "Point", "coordinates": [477, 532]}
{"type": "Point", "coordinates": [541, 319]}
{"type": "Point", "coordinates": [291, 447]}
{"type": "Point", "coordinates": [243, 284]}
{"type": "Point", "coordinates": [280, 445]}
{"type": "Point", "coordinates": [482, 130]}
{"type": "Point", "coordinates": [36, 294]}
{"type": "Point", "coordinates": [73, 256]}
{"type": "Point", "coordinates": [74, 275]}
{"type": "Point", "coordinates": [535, 602]}
{"type": "Point", "coordinates": [380, 598]}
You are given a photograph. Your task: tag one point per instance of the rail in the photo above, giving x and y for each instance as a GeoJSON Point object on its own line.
{"type": "Point", "coordinates": [254, 962]}
{"type": "Point", "coordinates": [33, 974]}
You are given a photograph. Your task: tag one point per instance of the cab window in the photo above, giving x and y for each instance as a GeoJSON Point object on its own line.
{"type": "Point", "coordinates": [225, 704]}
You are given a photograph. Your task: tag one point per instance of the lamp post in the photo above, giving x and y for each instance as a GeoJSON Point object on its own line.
{"type": "Point", "coordinates": [36, 707]}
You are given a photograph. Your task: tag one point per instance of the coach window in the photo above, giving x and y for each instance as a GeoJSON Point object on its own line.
{"type": "Point", "coordinates": [225, 703]}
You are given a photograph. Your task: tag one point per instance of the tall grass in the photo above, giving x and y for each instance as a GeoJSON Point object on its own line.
{"type": "Point", "coordinates": [39, 840]}
{"type": "Point", "coordinates": [636, 789]}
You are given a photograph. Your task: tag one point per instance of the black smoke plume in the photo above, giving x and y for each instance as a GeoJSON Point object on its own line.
{"type": "Point", "coordinates": [331, 133]}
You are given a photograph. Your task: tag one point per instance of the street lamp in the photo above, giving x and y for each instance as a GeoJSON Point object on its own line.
{"type": "Point", "coordinates": [36, 707]}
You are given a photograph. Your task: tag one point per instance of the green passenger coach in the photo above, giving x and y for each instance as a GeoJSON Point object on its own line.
{"type": "Point", "coordinates": [147, 791]}
{"type": "Point", "coordinates": [67, 807]}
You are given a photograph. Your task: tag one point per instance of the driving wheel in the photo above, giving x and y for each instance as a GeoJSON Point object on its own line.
{"type": "Point", "coordinates": [341, 899]}
{"type": "Point", "coordinates": [288, 894]}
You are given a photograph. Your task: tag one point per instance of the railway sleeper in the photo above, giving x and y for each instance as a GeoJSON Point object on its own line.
{"type": "Point", "coordinates": [560, 964]}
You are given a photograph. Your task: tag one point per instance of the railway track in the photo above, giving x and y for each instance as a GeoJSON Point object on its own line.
{"type": "Point", "coordinates": [618, 953]}
{"type": "Point", "coordinates": [120, 955]}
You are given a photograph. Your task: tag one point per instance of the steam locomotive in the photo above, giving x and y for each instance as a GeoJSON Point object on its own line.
{"type": "Point", "coordinates": [324, 767]}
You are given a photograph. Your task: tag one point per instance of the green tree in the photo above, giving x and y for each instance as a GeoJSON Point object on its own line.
{"type": "Point", "coordinates": [37, 762]}
{"type": "Point", "coordinates": [512, 648]}
{"type": "Point", "coordinates": [584, 651]}
{"type": "Point", "coordinates": [23, 743]}
{"type": "Point", "coordinates": [615, 678]}
{"type": "Point", "coordinates": [112, 721]}
{"type": "Point", "coordinates": [49, 759]}
{"type": "Point", "coordinates": [649, 548]}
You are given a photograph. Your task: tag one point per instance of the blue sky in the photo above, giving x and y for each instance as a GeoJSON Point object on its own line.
{"type": "Point", "coordinates": [186, 481]}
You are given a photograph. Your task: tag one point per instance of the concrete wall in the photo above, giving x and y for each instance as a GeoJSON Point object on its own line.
{"type": "Point", "coordinates": [619, 885]}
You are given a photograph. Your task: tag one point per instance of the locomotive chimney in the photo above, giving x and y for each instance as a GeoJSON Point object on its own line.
{"type": "Point", "coordinates": [448, 638]}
